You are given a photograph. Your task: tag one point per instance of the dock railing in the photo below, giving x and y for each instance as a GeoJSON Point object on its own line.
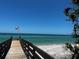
{"type": "Point", "coordinates": [33, 52]}
{"type": "Point", "coordinates": [4, 48]}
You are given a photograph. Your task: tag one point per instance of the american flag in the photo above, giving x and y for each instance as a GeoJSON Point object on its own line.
{"type": "Point", "coordinates": [17, 28]}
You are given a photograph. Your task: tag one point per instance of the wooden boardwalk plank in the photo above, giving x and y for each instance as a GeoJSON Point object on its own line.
{"type": "Point", "coordinates": [15, 51]}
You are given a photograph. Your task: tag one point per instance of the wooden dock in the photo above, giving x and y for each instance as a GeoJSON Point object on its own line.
{"type": "Point", "coordinates": [21, 49]}
{"type": "Point", "coordinates": [16, 51]}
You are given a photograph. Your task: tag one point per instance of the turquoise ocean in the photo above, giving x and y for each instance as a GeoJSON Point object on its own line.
{"type": "Point", "coordinates": [42, 39]}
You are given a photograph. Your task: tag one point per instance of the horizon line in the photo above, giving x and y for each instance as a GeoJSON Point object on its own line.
{"type": "Point", "coordinates": [33, 33]}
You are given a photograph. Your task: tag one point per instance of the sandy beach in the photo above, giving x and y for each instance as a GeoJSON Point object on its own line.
{"type": "Point", "coordinates": [58, 51]}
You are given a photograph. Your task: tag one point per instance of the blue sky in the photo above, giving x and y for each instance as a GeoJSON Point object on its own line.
{"type": "Point", "coordinates": [34, 16]}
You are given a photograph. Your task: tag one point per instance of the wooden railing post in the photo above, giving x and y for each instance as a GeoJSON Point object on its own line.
{"type": "Point", "coordinates": [4, 48]}
{"type": "Point", "coordinates": [30, 51]}
{"type": "Point", "coordinates": [33, 53]}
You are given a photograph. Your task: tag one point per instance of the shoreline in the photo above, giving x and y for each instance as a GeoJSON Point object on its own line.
{"type": "Point", "coordinates": [59, 51]}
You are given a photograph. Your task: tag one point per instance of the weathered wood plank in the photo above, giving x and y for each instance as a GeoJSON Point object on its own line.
{"type": "Point", "coordinates": [16, 51]}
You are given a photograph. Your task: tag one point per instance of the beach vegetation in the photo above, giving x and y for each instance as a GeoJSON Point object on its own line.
{"type": "Point", "coordinates": [73, 15]}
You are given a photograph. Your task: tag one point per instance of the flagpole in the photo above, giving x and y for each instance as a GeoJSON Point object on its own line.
{"type": "Point", "coordinates": [17, 30]}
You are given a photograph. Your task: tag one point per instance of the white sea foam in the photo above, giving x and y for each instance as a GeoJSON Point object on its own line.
{"type": "Point", "coordinates": [57, 51]}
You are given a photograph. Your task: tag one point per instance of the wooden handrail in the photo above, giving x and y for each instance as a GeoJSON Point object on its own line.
{"type": "Point", "coordinates": [4, 48]}
{"type": "Point", "coordinates": [33, 52]}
